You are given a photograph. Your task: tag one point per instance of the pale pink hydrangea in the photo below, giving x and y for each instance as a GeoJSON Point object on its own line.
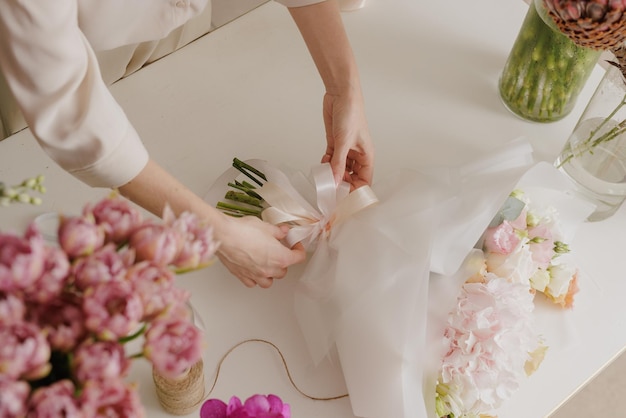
{"type": "Point", "coordinates": [22, 259]}
{"type": "Point", "coordinates": [54, 401]}
{"type": "Point", "coordinates": [490, 338]}
{"type": "Point", "coordinates": [112, 310]}
{"type": "Point", "coordinates": [24, 351]}
{"type": "Point", "coordinates": [111, 398]}
{"type": "Point", "coordinates": [103, 265]}
{"type": "Point", "coordinates": [80, 236]}
{"type": "Point", "coordinates": [118, 216]}
{"type": "Point", "coordinates": [100, 360]}
{"type": "Point", "coordinates": [13, 397]}
{"type": "Point", "coordinates": [256, 406]}
{"type": "Point", "coordinates": [173, 345]}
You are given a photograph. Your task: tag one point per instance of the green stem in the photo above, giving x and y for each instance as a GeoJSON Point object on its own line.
{"type": "Point", "coordinates": [131, 337]}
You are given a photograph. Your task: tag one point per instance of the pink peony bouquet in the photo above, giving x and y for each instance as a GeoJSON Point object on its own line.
{"type": "Point", "coordinates": [68, 309]}
{"type": "Point", "coordinates": [256, 406]}
{"type": "Point", "coordinates": [490, 338]}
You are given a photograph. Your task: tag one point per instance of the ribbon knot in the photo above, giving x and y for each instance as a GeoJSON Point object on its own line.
{"type": "Point", "coordinates": [332, 205]}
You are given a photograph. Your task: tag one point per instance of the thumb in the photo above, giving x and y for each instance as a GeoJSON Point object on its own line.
{"type": "Point", "coordinates": [338, 164]}
{"type": "Point", "coordinates": [298, 252]}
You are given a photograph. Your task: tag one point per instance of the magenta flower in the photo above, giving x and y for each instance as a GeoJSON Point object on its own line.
{"type": "Point", "coordinates": [63, 321]}
{"type": "Point", "coordinates": [256, 406]}
{"type": "Point", "coordinates": [56, 400]}
{"type": "Point", "coordinates": [79, 236]}
{"type": "Point", "coordinates": [12, 309]}
{"type": "Point", "coordinates": [155, 242]}
{"type": "Point", "coordinates": [100, 360]}
{"type": "Point", "coordinates": [173, 345]}
{"type": "Point", "coordinates": [54, 277]}
{"type": "Point", "coordinates": [24, 351]}
{"type": "Point", "coordinates": [21, 259]}
{"type": "Point", "coordinates": [118, 217]}
{"type": "Point", "coordinates": [104, 265]}
{"type": "Point", "coordinates": [111, 398]}
{"type": "Point", "coordinates": [112, 310]}
{"type": "Point", "coordinates": [198, 247]}
{"type": "Point", "coordinates": [13, 396]}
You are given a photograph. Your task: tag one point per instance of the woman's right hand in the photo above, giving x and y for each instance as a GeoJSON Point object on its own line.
{"type": "Point", "coordinates": [252, 250]}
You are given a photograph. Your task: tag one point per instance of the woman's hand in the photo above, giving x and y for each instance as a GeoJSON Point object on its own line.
{"type": "Point", "coordinates": [251, 250]}
{"type": "Point", "coordinates": [349, 148]}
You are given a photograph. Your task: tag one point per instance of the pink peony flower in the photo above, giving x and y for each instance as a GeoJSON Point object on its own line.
{"type": "Point", "coordinates": [198, 247]}
{"type": "Point", "coordinates": [111, 398]}
{"type": "Point", "coordinates": [256, 406]}
{"type": "Point", "coordinates": [13, 397]}
{"type": "Point", "coordinates": [112, 310]}
{"type": "Point", "coordinates": [21, 259]}
{"type": "Point", "coordinates": [104, 265]}
{"type": "Point", "coordinates": [118, 217]}
{"type": "Point", "coordinates": [62, 320]}
{"type": "Point", "coordinates": [54, 277]}
{"type": "Point", "coordinates": [12, 309]}
{"type": "Point", "coordinates": [79, 236]}
{"type": "Point", "coordinates": [56, 400]}
{"type": "Point", "coordinates": [99, 360]}
{"type": "Point", "coordinates": [24, 351]}
{"type": "Point", "coordinates": [155, 242]}
{"type": "Point", "coordinates": [502, 239]}
{"type": "Point", "coordinates": [173, 345]}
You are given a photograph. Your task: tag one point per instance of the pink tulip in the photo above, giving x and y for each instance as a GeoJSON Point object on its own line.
{"type": "Point", "coordinates": [12, 309]}
{"type": "Point", "coordinates": [79, 236]}
{"type": "Point", "coordinates": [13, 397]}
{"type": "Point", "coordinates": [21, 259]}
{"type": "Point", "coordinates": [24, 351]}
{"type": "Point", "coordinates": [155, 286]}
{"type": "Point", "coordinates": [198, 247]}
{"type": "Point", "coordinates": [173, 345]}
{"type": "Point", "coordinates": [104, 265]}
{"type": "Point", "coordinates": [63, 322]}
{"type": "Point", "coordinates": [112, 310]}
{"type": "Point", "coordinates": [56, 400]}
{"type": "Point", "coordinates": [118, 216]}
{"type": "Point", "coordinates": [100, 360]}
{"type": "Point", "coordinates": [54, 278]}
{"type": "Point", "coordinates": [155, 242]}
{"type": "Point", "coordinates": [111, 398]}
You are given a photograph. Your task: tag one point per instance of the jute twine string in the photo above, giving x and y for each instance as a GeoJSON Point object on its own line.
{"type": "Point", "coordinates": [183, 395]}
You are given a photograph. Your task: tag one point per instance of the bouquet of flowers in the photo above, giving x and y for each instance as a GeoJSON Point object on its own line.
{"type": "Point", "coordinates": [68, 310]}
{"type": "Point", "coordinates": [490, 339]}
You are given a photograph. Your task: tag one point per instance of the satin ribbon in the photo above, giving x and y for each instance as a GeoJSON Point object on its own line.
{"type": "Point", "coordinates": [334, 204]}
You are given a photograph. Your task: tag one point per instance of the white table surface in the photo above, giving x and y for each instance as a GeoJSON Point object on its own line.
{"type": "Point", "coordinates": [429, 73]}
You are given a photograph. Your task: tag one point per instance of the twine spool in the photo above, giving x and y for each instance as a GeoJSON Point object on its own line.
{"type": "Point", "coordinates": [181, 396]}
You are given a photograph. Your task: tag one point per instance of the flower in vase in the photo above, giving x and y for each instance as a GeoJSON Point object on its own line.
{"type": "Point", "coordinates": [597, 24]}
{"type": "Point", "coordinates": [67, 312]}
{"type": "Point", "coordinates": [256, 406]}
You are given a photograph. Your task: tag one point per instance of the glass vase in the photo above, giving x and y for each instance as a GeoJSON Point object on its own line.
{"type": "Point", "coordinates": [594, 156]}
{"type": "Point", "coordinates": [545, 70]}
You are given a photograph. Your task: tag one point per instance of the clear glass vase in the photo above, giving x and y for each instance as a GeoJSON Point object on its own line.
{"type": "Point", "coordinates": [594, 156]}
{"type": "Point", "coordinates": [545, 70]}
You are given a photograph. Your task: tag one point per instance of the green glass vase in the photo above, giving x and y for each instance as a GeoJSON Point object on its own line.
{"type": "Point", "coordinates": [545, 70]}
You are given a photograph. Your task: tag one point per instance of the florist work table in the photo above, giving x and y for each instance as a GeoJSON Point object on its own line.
{"type": "Point", "coordinates": [250, 90]}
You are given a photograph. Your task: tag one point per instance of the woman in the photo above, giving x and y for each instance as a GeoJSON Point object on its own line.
{"type": "Point", "coordinates": [48, 58]}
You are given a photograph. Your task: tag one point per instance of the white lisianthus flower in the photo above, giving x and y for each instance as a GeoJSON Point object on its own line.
{"type": "Point", "coordinates": [540, 280]}
{"type": "Point", "coordinates": [560, 277]}
{"type": "Point", "coordinates": [517, 267]}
